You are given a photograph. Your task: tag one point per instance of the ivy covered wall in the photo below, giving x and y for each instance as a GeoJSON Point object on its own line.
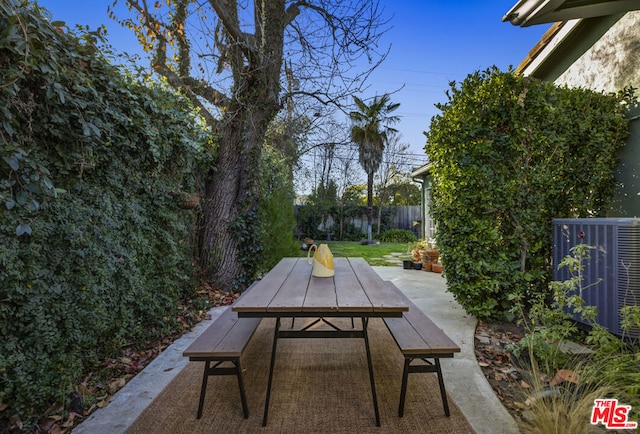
{"type": "Point", "coordinates": [94, 251]}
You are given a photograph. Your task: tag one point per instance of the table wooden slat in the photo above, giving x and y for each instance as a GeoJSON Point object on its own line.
{"type": "Point", "coordinates": [349, 293]}
{"type": "Point", "coordinates": [265, 289]}
{"type": "Point", "coordinates": [382, 298]}
{"type": "Point", "coordinates": [291, 295]}
{"type": "Point", "coordinates": [321, 295]}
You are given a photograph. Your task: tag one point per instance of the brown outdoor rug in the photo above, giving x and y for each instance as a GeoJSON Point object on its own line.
{"type": "Point", "coordinates": [319, 386]}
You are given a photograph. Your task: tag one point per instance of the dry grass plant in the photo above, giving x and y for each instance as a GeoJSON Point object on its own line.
{"type": "Point", "coordinates": [563, 404]}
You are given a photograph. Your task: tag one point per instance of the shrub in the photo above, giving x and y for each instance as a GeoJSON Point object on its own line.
{"type": "Point", "coordinates": [612, 370]}
{"type": "Point", "coordinates": [350, 232]}
{"type": "Point", "coordinates": [509, 154]}
{"type": "Point", "coordinates": [397, 236]}
{"type": "Point", "coordinates": [276, 212]}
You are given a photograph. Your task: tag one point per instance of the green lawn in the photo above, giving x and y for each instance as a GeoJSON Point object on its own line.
{"type": "Point", "coordinates": [373, 254]}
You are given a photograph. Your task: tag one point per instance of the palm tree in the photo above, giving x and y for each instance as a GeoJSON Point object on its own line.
{"type": "Point", "coordinates": [371, 124]}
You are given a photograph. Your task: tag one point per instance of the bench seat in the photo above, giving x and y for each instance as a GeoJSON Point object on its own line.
{"type": "Point", "coordinates": [223, 341]}
{"type": "Point", "coordinates": [418, 338]}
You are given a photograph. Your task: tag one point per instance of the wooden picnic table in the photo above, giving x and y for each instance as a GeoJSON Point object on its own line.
{"type": "Point", "coordinates": [290, 291]}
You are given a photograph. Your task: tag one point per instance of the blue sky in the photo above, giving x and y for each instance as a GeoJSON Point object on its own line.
{"type": "Point", "coordinates": [432, 43]}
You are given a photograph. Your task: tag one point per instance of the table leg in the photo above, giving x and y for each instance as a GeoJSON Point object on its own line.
{"type": "Point", "coordinates": [273, 360]}
{"type": "Point", "coordinates": [365, 323]}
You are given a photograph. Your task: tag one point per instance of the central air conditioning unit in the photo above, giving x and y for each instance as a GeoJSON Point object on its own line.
{"type": "Point", "coordinates": [613, 271]}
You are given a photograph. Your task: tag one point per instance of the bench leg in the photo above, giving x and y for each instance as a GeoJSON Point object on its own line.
{"type": "Point", "coordinates": [216, 370]}
{"type": "Point", "coordinates": [243, 395]}
{"type": "Point", "coordinates": [203, 389]}
{"type": "Point", "coordinates": [408, 368]}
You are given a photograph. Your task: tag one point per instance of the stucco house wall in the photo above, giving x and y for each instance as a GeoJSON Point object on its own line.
{"type": "Point", "coordinates": [612, 63]}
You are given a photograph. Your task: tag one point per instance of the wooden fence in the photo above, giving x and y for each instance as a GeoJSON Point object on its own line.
{"type": "Point", "coordinates": [405, 216]}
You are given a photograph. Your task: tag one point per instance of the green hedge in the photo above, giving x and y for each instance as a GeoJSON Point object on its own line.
{"type": "Point", "coordinates": [94, 250]}
{"type": "Point", "coordinates": [398, 236]}
{"type": "Point", "coordinates": [508, 155]}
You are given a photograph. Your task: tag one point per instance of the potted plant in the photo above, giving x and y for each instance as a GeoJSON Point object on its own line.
{"type": "Point", "coordinates": [432, 251]}
{"type": "Point", "coordinates": [407, 264]}
{"type": "Point", "coordinates": [416, 250]}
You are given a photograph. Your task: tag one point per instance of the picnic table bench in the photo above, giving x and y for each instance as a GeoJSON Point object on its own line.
{"type": "Point", "coordinates": [420, 339]}
{"type": "Point", "coordinates": [223, 341]}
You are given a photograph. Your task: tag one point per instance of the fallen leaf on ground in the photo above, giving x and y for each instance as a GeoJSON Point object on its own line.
{"type": "Point", "coordinates": [564, 375]}
{"type": "Point", "coordinates": [117, 384]}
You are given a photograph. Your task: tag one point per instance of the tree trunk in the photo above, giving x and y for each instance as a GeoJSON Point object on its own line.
{"type": "Point", "coordinates": [369, 207]}
{"type": "Point", "coordinates": [229, 228]}
{"type": "Point", "coordinates": [230, 246]}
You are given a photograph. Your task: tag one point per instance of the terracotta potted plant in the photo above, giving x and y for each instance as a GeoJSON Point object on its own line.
{"type": "Point", "coordinates": [432, 251]}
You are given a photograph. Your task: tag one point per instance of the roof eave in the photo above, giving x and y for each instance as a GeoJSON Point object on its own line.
{"type": "Point", "coordinates": [530, 12]}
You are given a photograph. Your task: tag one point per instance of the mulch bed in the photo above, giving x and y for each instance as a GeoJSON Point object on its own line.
{"type": "Point", "coordinates": [490, 347]}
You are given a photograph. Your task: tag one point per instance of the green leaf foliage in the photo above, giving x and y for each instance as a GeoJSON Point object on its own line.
{"type": "Point", "coordinates": [508, 154]}
{"type": "Point", "coordinates": [93, 249]}
{"type": "Point", "coordinates": [397, 236]}
{"type": "Point", "coordinates": [277, 219]}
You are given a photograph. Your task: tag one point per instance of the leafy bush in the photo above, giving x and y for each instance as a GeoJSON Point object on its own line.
{"type": "Point", "coordinates": [276, 212]}
{"type": "Point", "coordinates": [397, 236]}
{"type": "Point", "coordinates": [612, 369]}
{"type": "Point", "coordinates": [350, 232]}
{"type": "Point", "coordinates": [94, 249]}
{"type": "Point", "coordinates": [509, 154]}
